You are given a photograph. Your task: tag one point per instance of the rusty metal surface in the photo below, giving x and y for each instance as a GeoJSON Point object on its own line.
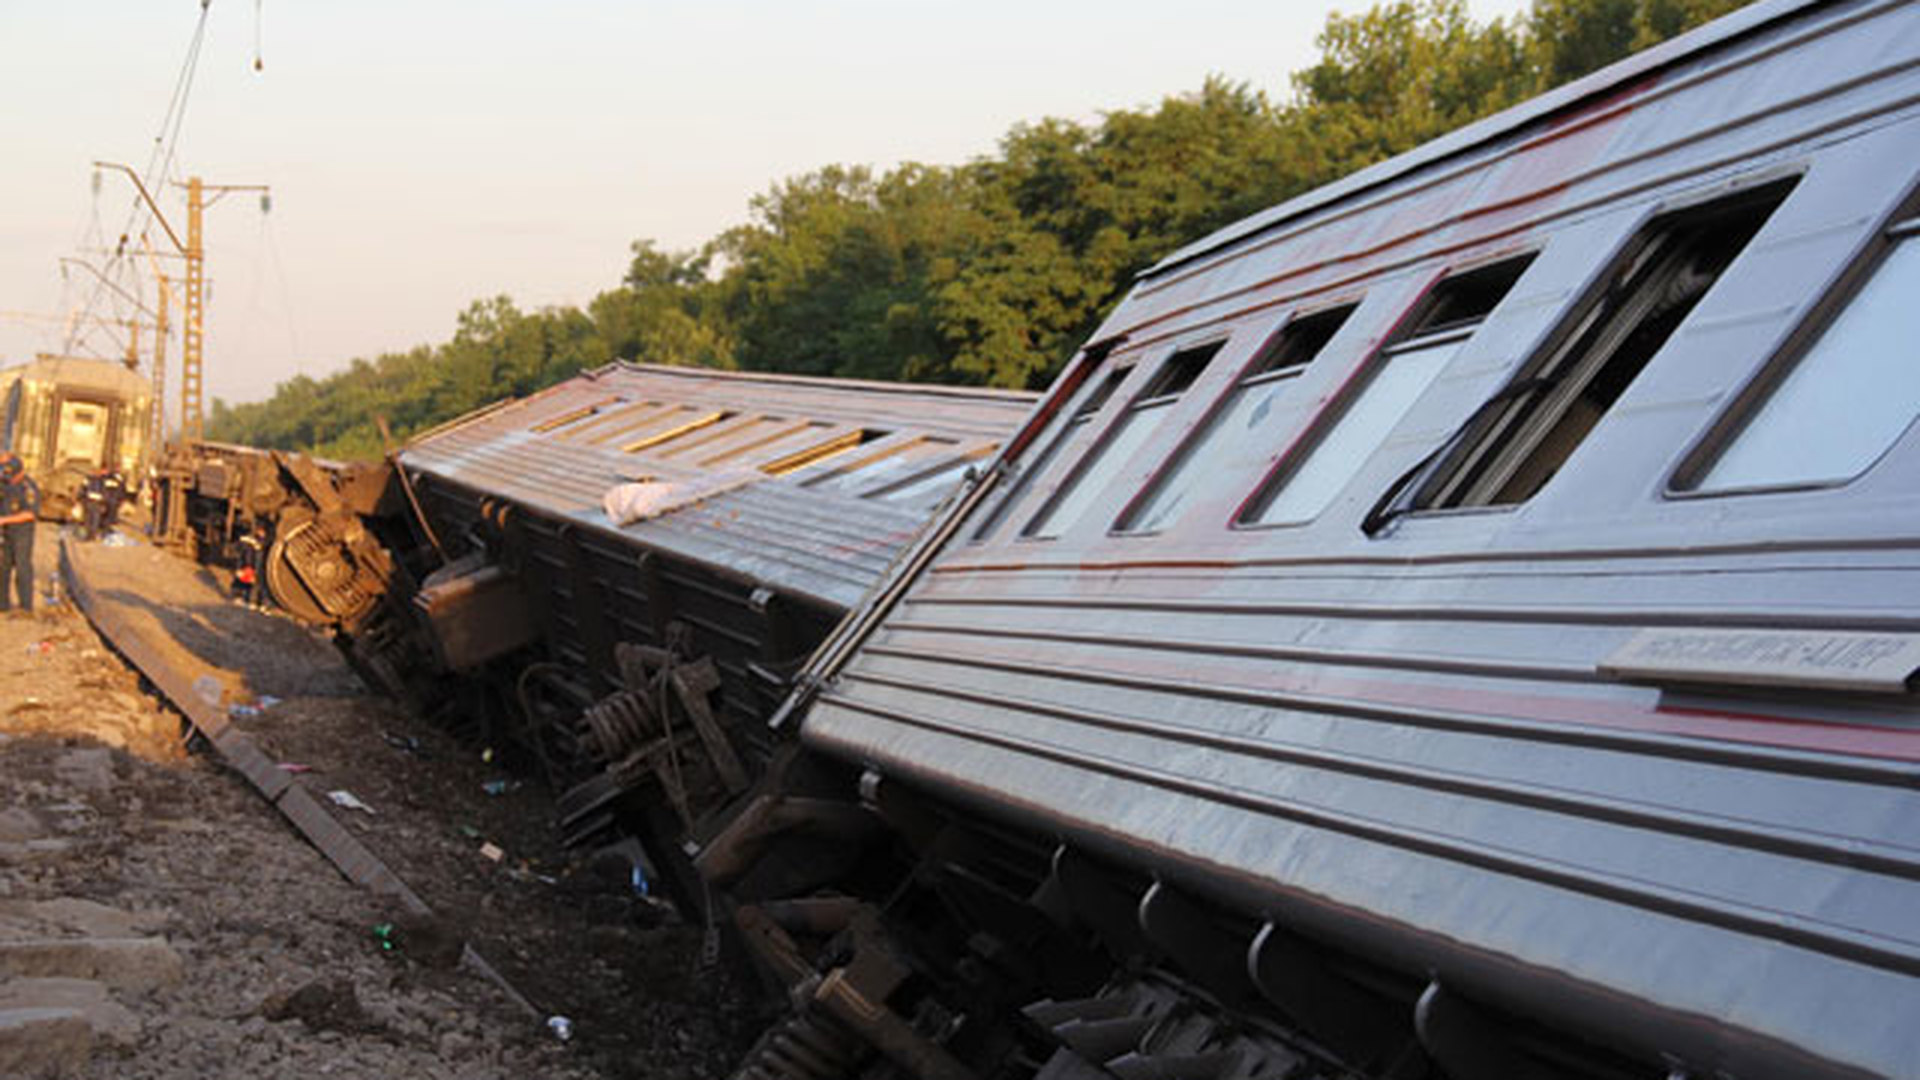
{"type": "Point", "coordinates": [1409, 747]}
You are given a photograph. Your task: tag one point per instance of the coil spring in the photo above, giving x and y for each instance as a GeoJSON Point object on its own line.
{"type": "Point", "coordinates": [804, 1047]}
{"type": "Point", "coordinates": [618, 725]}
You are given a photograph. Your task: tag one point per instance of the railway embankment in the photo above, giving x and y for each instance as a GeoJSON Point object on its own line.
{"type": "Point", "coordinates": [161, 917]}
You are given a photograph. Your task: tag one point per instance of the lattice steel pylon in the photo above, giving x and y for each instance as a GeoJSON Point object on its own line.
{"type": "Point", "coordinates": [193, 288]}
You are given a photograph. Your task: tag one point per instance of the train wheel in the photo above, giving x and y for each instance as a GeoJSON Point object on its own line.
{"type": "Point", "coordinates": [311, 575]}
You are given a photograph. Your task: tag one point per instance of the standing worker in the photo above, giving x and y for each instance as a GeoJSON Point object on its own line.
{"type": "Point", "coordinates": [19, 505]}
{"type": "Point", "coordinates": [100, 499]}
{"type": "Point", "coordinates": [252, 564]}
{"type": "Point", "coordinates": [93, 504]}
{"type": "Point", "coordinates": [116, 489]}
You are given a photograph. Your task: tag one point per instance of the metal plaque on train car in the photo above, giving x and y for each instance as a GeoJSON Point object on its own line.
{"type": "Point", "coordinates": [1814, 659]}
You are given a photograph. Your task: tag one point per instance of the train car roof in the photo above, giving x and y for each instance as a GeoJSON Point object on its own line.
{"type": "Point", "coordinates": [86, 371]}
{"type": "Point", "coordinates": [1537, 110]}
{"type": "Point", "coordinates": [809, 485]}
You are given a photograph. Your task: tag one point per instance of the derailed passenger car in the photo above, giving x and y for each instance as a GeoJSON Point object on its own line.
{"type": "Point", "coordinates": [621, 573]}
{"type": "Point", "coordinates": [1459, 622]}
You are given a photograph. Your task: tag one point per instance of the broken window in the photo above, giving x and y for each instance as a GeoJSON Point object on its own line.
{"type": "Point", "coordinates": [1445, 320]}
{"type": "Point", "coordinates": [1847, 398]}
{"type": "Point", "coordinates": [1546, 413]}
{"type": "Point", "coordinates": [1118, 445]}
{"type": "Point", "coordinates": [1244, 417]}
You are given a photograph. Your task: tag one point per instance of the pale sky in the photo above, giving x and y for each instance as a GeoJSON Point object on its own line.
{"type": "Point", "coordinates": [427, 153]}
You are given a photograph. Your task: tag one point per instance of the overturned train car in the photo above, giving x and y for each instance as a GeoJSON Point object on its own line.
{"type": "Point", "coordinates": [315, 532]}
{"type": "Point", "coordinates": [620, 575]}
{"type": "Point", "coordinates": [1461, 622]}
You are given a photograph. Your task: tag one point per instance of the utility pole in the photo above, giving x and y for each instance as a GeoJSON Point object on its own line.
{"type": "Point", "coordinates": [194, 293]}
{"type": "Point", "coordinates": [158, 435]}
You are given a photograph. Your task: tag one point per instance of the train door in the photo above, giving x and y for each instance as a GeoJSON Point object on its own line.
{"type": "Point", "coordinates": [82, 434]}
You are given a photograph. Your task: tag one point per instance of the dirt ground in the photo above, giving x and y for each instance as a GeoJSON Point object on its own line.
{"type": "Point", "coordinates": [284, 970]}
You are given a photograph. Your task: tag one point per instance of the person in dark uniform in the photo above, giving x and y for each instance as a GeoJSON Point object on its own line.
{"type": "Point", "coordinates": [93, 503]}
{"type": "Point", "coordinates": [115, 487]}
{"type": "Point", "coordinates": [19, 505]}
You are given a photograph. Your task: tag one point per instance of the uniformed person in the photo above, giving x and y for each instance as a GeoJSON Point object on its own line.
{"type": "Point", "coordinates": [19, 505]}
{"type": "Point", "coordinates": [116, 486]}
{"type": "Point", "coordinates": [93, 503]}
{"type": "Point", "coordinates": [246, 578]}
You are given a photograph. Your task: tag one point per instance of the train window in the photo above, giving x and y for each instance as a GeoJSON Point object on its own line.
{"type": "Point", "coordinates": [1079, 418]}
{"type": "Point", "coordinates": [821, 451]}
{"type": "Point", "coordinates": [1446, 318]}
{"type": "Point", "coordinates": [566, 418]}
{"type": "Point", "coordinates": [1546, 413]}
{"type": "Point", "coordinates": [1243, 416]}
{"type": "Point", "coordinates": [1846, 399]}
{"type": "Point", "coordinates": [614, 423]}
{"type": "Point", "coordinates": [768, 434]}
{"type": "Point", "coordinates": [661, 438]}
{"type": "Point", "coordinates": [939, 478]}
{"type": "Point", "coordinates": [1127, 434]}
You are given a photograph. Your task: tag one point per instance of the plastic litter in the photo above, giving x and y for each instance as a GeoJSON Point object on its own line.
{"type": "Point", "coordinates": [343, 798]}
{"type": "Point", "coordinates": [293, 767]}
{"type": "Point", "coordinates": [561, 1027]}
{"type": "Point", "coordinates": [241, 712]}
{"type": "Point", "coordinates": [208, 689]}
{"type": "Point", "coordinates": [384, 934]}
{"type": "Point", "coordinates": [641, 887]}
{"type": "Point", "coordinates": [499, 787]}
{"type": "Point", "coordinates": [406, 743]}
{"type": "Point", "coordinates": [267, 701]}
{"type": "Point", "coordinates": [44, 648]}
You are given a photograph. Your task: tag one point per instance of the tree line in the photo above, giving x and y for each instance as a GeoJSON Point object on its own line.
{"type": "Point", "coordinates": [990, 272]}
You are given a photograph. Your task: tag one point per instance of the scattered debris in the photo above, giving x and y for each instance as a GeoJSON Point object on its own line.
{"type": "Point", "coordinates": [348, 800]}
{"type": "Point", "coordinates": [492, 851]}
{"type": "Point", "coordinates": [208, 689]}
{"type": "Point", "coordinates": [561, 1027]}
{"type": "Point", "coordinates": [322, 1005]}
{"type": "Point", "coordinates": [405, 743]}
{"type": "Point", "coordinates": [293, 767]}
{"type": "Point", "coordinates": [427, 940]}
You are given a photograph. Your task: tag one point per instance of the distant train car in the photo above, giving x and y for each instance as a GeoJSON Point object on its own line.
{"type": "Point", "coordinates": [68, 416]}
{"type": "Point", "coordinates": [1461, 622]}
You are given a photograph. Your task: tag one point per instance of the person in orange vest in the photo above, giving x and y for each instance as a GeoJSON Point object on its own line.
{"type": "Point", "coordinates": [246, 579]}
{"type": "Point", "coordinates": [19, 506]}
